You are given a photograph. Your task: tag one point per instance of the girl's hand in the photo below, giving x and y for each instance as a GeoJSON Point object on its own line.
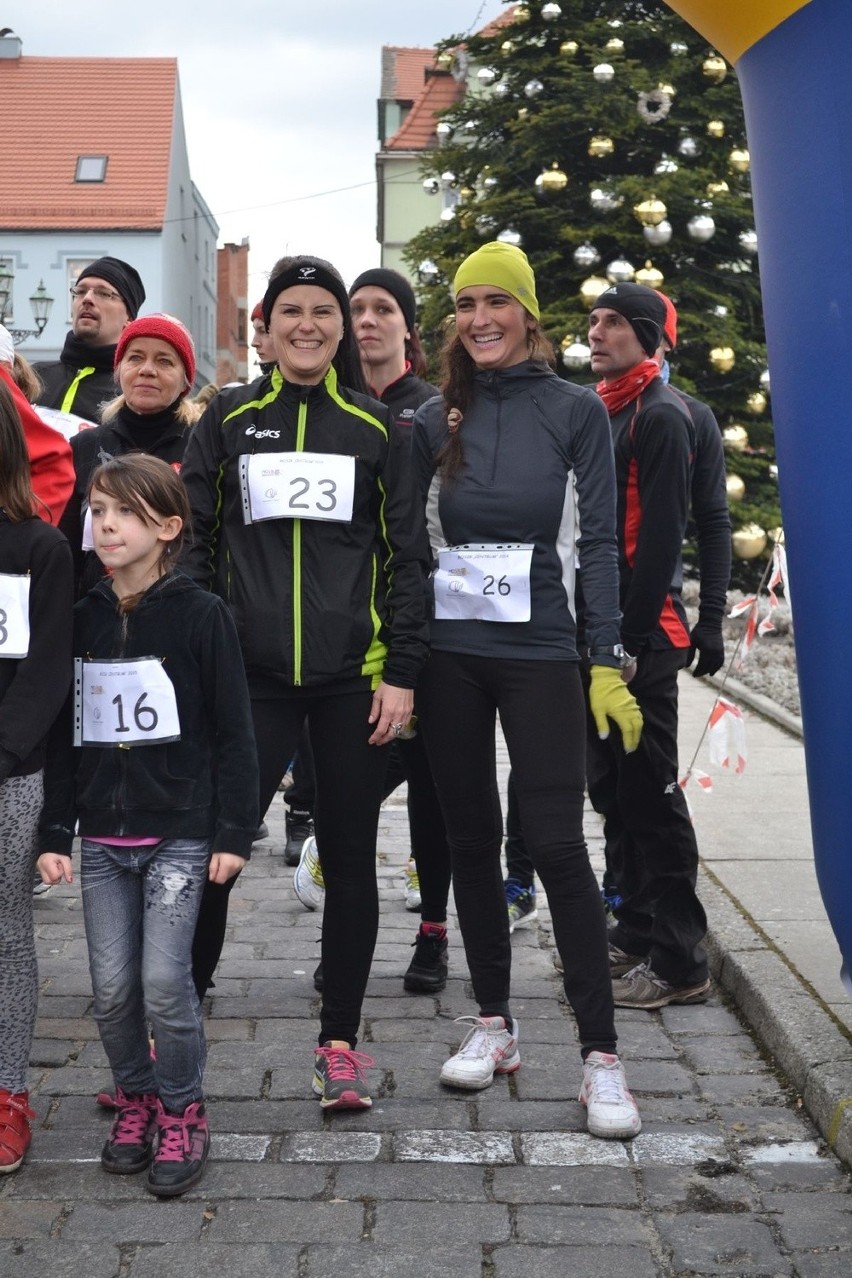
{"type": "Point", "coordinates": [223, 866]}
{"type": "Point", "coordinates": [391, 709]}
{"type": "Point", "coordinates": [54, 867]}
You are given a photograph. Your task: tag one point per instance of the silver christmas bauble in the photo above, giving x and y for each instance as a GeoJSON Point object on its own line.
{"type": "Point", "coordinates": [427, 270]}
{"type": "Point", "coordinates": [533, 88]}
{"type": "Point", "coordinates": [666, 165]}
{"type": "Point", "coordinates": [688, 147]}
{"type": "Point", "coordinates": [550, 11]}
{"type": "Point", "coordinates": [486, 75]}
{"type": "Point", "coordinates": [431, 186]}
{"type": "Point", "coordinates": [605, 200]}
{"type": "Point", "coordinates": [701, 227]}
{"type": "Point", "coordinates": [586, 256]}
{"type": "Point", "coordinates": [443, 130]}
{"type": "Point", "coordinates": [677, 49]}
{"type": "Point", "coordinates": [620, 271]}
{"type": "Point", "coordinates": [502, 90]}
{"type": "Point", "coordinates": [748, 240]}
{"type": "Point", "coordinates": [485, 224]}
{"type": "Point", "coordinates": [764, 380]}
{"type": "Point", "coordinates": [659, 234]}
{"type": "Point", "coordinates": [510, 236]}
{"type": "Point", "coordinates": [603, 72]}
{"type": "Point", "coordinates": [576, 356]}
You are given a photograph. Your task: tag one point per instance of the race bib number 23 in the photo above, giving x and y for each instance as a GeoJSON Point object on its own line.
{"type": "Point", "coordinates": [297, 486]}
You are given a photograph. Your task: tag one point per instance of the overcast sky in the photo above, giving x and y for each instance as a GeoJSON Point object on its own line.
{"type": "Point", "coordinates": [279, 102]}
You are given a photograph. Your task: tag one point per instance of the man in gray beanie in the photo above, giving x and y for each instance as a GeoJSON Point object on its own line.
{"type": "Point", "coordinates": [106, 295]}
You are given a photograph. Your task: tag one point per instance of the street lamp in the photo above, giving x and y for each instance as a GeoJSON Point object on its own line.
{"type": "Point", "coordinates": [40, 303]}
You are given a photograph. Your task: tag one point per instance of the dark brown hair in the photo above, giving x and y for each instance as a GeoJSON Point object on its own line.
{"type": "Point", "coordinates": [139, 480]}
{"type": "Point", "coordinates": [457, 387]}
{"type": "Point", "coordinates": [16, 491]}
{"type": "Point", "coordinates": [347, 358]}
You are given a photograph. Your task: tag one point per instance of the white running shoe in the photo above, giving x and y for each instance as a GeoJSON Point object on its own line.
{"type": "Point", "coordinates": [490, 1048]}
{"type": "Point", "coordinates": [308, 883]}
{"type": "Point", "coordinates": [412, 886]}
{"type": "Point", "coordinates": [611, 1111]}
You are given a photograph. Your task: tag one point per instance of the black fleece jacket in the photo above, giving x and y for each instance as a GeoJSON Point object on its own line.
{"type": "Point", "coordinates": [203, 785]}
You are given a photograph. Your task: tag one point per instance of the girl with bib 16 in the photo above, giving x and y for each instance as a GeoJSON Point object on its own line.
{"type": "Point", "coordinates": [156, 761]}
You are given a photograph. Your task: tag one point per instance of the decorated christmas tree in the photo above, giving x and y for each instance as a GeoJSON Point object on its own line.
{"type": "Point", "coordinates": [607, 140]}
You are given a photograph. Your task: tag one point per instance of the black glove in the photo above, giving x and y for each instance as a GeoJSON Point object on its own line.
{"type": "Point", "coordinates": [706, 640]}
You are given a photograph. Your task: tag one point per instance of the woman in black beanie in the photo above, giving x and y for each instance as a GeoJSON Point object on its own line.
{"type": "Point", "coordinates": [306, 522]}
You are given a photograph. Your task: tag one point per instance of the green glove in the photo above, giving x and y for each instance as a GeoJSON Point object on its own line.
{"type": "Point", "coordinates": [610, 698]}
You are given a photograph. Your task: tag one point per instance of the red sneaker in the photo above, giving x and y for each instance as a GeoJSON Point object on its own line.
{"type": "Point", "coordinates": [15, 1132]}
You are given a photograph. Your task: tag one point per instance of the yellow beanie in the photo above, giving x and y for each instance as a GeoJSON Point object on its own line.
{"type": "Point", "coordinates": [502, 266]}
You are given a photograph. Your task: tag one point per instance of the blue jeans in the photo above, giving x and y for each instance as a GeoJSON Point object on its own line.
{"type": "Point", "coordinates": [140, 905]}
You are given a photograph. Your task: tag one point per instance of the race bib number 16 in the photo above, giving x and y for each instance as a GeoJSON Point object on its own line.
{"type": "Point", "coordinates": [483, 583]}
{"type": "Point", "coordinates": [124, 703]}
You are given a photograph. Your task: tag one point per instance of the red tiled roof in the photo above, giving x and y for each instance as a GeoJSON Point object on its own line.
{"type": "Point", "coordinates": [55, 109]}
{"type": "Point", "coordinates": [417, 131]}
{"type": "Point", "coordinates": [404, 71]}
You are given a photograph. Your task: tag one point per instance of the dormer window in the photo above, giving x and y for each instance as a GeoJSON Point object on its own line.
{"type": "Point", "coordinates": [91, 168]}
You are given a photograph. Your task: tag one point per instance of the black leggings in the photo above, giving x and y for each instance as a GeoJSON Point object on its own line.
{"type": "Point", "coordinates": [350, 776]}
{"type": "Point", "coordinates": [543, 717]}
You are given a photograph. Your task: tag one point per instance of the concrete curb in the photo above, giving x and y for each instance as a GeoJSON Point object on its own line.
{"type": "Point", "coordinates": [793, 1025]}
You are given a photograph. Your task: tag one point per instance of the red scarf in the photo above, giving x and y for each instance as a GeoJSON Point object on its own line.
{"type": "Point", "coordinates": [621, 390]}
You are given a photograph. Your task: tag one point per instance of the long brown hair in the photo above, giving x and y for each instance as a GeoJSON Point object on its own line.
{"type": "Point", "coordinates": [16, 490]}
{"type": "Point", "coordinates": [457, 387]}
{"type": "Point", "coordinates": [139, 480]}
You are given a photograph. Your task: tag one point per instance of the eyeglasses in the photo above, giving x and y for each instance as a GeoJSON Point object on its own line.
{"type": "Point", "coordinates": [102, 294]}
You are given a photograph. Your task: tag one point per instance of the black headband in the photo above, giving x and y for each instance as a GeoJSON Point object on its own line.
{"type": "Point", "coordinates": [302, 272]}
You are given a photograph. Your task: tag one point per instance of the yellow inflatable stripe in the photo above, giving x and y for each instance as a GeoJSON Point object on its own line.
{"type": "Point", "coordinates": [731, 26]}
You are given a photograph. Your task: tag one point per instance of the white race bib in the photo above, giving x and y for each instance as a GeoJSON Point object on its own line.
{"type": "Point", "coordinates": [297, 486]}
{"type": "Point", "coordinates": [68, 424]}
{"type": "Point", "coordinates": [124, 703]}
{"type": "Point", "coordinates": [483, 583]}
{"type": "Point", "coordinates": [14, 615]}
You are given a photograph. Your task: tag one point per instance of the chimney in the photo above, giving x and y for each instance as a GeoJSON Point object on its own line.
{"type": "Point", "coordinates": [10, 44]}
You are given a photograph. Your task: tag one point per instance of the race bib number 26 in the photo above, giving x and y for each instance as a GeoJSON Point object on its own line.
{"type": "Point", "coordinates": [124, 703]}
{"type": "Point", "coordinates": [14, 615]}
{"type": "Point", "coordinates": [483, 583]}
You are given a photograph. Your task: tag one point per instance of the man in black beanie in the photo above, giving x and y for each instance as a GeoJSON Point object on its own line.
{"type": "Point", "coordinates": [106, 295]}
{"type": "Point", "coordinates": [656, 947]}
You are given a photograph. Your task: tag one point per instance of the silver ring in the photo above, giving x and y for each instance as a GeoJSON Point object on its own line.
{"type": "Point", "coordinates": [396, 729]}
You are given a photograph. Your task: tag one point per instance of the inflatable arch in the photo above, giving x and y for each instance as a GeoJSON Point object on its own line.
{"type": "Point", "coordinates": [793, 60]}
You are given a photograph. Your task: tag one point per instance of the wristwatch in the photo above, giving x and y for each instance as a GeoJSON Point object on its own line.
{"type": "Point", "coordinates": [617, 651]}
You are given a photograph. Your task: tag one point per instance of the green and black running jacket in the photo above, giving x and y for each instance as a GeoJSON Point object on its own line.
{"type": "Point", "coordinates": [314, 602]}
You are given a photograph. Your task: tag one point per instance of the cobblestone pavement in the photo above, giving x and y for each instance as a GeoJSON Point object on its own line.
{"type": "Point", "coordinates": [728, 1176]}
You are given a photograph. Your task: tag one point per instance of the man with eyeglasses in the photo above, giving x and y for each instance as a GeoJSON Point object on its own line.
{"type": "Point", "coordinates": [107, 295]}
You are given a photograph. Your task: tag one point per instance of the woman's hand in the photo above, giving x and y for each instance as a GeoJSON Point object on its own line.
{"type": "Point", "coordinates": [390, 712]}
{"type": "Point", "coordinates": [54, 867]}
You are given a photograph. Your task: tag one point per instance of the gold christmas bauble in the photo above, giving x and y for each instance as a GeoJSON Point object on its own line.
{"type": "Point", "coordinates": [777, 535]}
{"type": "Point", "coordinates": [739, 160]}
{"type": "Point", "coordinates": [722, 359]}
{"type": "Point", "coordinates": [650, 212]}
{"type": "Point", "coordinates": [716, 128]}
{"type": "Point", "coordinates": [522, 13]}
{"type": "Point", "coordinates": [591, 289]}
{"type": "Point", "coordinates": [649, 276]}
{"type": "Point", "coordinates": [735, 437]}
{"type": "Point", "coordinates": [614, 45]}
{"type": "Point", "coordinates": [600, 146]}
{"type": "Point", "coordinates": [669, 90]}
{"type": "Point", "coordinates": [551, 181]}
{"type": "Point", "coordinates": [717, 188]}
{"type": "Point", "coordinates": [735, 487]}
{"type": "Point", "coordinates": [749, 541]}
{"type": "Point", "coordinates": [568, 48]}
{"type": "Point", "coordinates": [715, 68]}
{"type": "Point", "coordinates": [523, 112]}
{"type": "Point", "coordinates": [445, 60]}
{"type": "Point", "coordinates": [507, 47]}
{"type": "Point", "coordinates": [756, 403]}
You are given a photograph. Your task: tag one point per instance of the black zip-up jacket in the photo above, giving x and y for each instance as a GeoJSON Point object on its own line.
{"type": "Point", "coordinates": [80, 381]}
{"type": "Point", "coordinates": [314, 602]}
{"type": "Point", "coordinates": [159, 434]}
{"type": "Point", "coordinates": [654, 443]}
{"type": "Point", "coordinates": [537, 468]}
{"type": "Point", "coordinates": [202, 786]}
{"type": "Point", "coordinates": [404, 396]}
{"type": "Point", "coordinates": [33, 688]}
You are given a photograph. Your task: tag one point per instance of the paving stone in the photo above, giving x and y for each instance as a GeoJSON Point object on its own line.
{"type": "Point", "coordinates": [68, 1260]}
{"type": "Point", "coordinates": [572, 1149]}
{"type": "Point", "coordinates": [722, 1054]}
{"type": "Point", "coordinates": [765, 1122]}
{"type": "Point", "coordinates": [828, 1264]}
{"type": "Point", "coordinates": [710, 1187]}
{"type": "Point", "coordinates": [237, 1260]}
{"type": "Point", "coordinates": [735, 1245]}
{"type": "Point", "coordinates": [367, 1259]}
{"type": "Point", "coordinates": [143, 1221]}
{"type": "Point", "coordinates": [813, 1220]}
{"type": "Point", "coordinates": [677, 1148]}
{"type": "Point", "coordinates": [411, 1182]}
{"type": "Point", "coordinates": [520, 1261]}
{"type": "Point", "coordinates": [607, 1184]}
{"type": "Point", "coordinates": [26, 1218]}
{"type": "Point", "coordinates": [463, 1223]}
{"type": "Point", "coordinates": [265, 1221]}
{"type": "Point", "coordinates": [557, 1227]}
{"type": "Point", "coordinates": [453, 1147]}
{"type": "Point", "coordinates": [332, 1147]}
